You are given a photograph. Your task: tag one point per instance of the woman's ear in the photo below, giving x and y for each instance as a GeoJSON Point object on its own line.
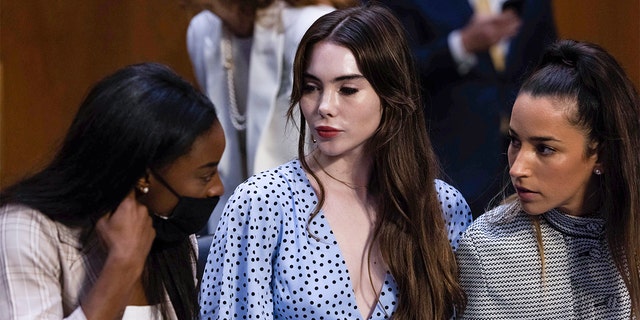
{"type": "Point", "coordinates": [593, 151]}
{"type": "Point", "coordinates": [142, 186]}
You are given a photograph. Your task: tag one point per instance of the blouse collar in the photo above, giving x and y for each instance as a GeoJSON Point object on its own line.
{"type": "Point", "coordinates": [583, 227]}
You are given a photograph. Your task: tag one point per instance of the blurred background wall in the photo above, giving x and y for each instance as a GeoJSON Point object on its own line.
{"type": "Point", "coordinates": [615, 25]}
{"type": "Point", "coordinates": [52, 51]}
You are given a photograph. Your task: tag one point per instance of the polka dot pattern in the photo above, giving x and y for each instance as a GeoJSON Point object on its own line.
{"type": "Point", "coordinates": [265, 264]}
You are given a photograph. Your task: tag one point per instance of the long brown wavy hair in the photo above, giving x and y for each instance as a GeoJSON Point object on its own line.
{"type": "Point", "coordinates": [410, 229]}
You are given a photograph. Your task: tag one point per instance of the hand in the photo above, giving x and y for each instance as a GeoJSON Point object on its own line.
{"type": "Point", "coordinates": [483, 31]}
{"type": "Point", "coordinates": [128, 233]}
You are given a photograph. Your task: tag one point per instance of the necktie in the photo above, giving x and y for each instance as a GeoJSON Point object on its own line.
{"type": "Point", "coordinates": [495, 51]}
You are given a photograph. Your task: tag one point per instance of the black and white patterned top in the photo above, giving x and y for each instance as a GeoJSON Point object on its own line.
{"type": "Point", "coordinates": [500, 268]}
{"type": "Point", "coordinates": [264, 265]}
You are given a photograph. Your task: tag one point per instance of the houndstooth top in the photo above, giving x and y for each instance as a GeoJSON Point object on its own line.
{"type": "Point", "coordinates": [500, 269]}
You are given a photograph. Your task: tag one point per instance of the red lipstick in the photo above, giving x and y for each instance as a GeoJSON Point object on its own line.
{"type": "Point", "coordinates": [327, 132]}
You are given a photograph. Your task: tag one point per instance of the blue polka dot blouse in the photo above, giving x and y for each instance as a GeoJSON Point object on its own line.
{"type": "Point", "coordinates": [263, 264]}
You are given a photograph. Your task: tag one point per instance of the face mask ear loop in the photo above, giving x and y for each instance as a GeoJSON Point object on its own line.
{"type": "Point", "coordinates": [164, 183]}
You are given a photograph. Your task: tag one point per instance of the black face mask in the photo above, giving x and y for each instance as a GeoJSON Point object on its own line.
{"type": "Point", "coordinates": [189, 216]}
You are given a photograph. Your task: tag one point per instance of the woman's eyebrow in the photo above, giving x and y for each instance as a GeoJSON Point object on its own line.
{"type": "Point", "coordinates": [212, 164]}
{"type": "Point", "coordinates": [534, 138]}
{"type": "Point", "coordinates": [337, 79]}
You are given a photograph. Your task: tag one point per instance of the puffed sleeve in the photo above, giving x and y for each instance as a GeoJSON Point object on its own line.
{"type": "Point", "coordinates": [455, 209]}
{"type": "Point", "coordinates": [238, 272]}
{"type": "Point", "coordinates": [30, 267]}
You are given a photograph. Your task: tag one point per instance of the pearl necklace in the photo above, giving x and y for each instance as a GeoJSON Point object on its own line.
{"type": "Point", "coordinates": [238, 120]}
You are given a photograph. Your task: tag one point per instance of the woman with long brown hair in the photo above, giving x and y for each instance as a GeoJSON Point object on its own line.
{"type": "Point", "coordinates": [359, 226]}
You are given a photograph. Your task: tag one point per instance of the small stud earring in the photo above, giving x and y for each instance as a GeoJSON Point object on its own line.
{"type": "Point", "coordinates": [314, 140]}
{"type": "Point", "coordinates": [597, 172]}
{"type": "Point", "coordinates": [143, 189]}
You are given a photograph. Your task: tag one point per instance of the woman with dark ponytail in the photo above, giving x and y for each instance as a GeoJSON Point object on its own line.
{"type": "Point", "coordinates": [566, 246]}
{"type": "Point", "coordinates": [106, 229]}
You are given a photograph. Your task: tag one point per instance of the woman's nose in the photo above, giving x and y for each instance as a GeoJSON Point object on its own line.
{"type": "Point", "coordinates": [519, 166]}
{"type": "Point", "coordinates": [217, 188]}
{"type": "Point", "coordinates": [327, 103]}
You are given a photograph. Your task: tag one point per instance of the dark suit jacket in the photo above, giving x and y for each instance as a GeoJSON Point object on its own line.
{"type": "Point", "coordinates": [463, 112]}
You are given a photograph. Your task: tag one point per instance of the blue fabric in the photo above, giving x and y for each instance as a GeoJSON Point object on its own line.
{"type": "Point", "coordinates": [269, 261]}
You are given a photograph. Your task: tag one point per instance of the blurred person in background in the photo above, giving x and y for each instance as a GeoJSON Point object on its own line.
{"type": "Point", "coordinates": [472, 55]}
{"type": "Point", "coordinates": [242, 56]}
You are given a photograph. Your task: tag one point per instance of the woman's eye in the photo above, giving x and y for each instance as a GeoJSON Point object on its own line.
{"type": "Point", "coordinates": [514, 142]}
{"type": "Point", "coordinates": [208, 177]}
{"type": "Point", "coordinates": [545, 150]}
{"type": "Point", "coordinates": [307, 88]}
{"type": "Point", "coordinates": [348, 91]}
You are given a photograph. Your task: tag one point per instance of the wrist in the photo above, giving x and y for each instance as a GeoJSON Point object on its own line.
{"type": "Point", "coordinates": [463, 59]}
{"type": "Point", "coordinates": [127, 265]}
